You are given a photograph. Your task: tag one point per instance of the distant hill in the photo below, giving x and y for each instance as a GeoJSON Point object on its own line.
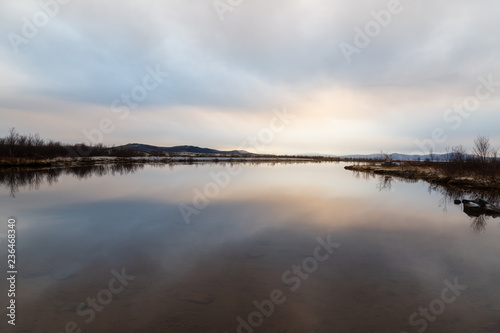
{"type": "Point", "coordinates": [198, 150]}
{"type": "Point", "coordinates": [180, 149]}
{"type": "Point", "coordinates": [395, 156]}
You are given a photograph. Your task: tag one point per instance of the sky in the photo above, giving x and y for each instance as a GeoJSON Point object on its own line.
{"type": "Point", "coordinates": [288, 77]}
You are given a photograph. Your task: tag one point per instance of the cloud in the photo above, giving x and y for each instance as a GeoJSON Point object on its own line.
{"type": "Point", "coordinates": [262, 56]}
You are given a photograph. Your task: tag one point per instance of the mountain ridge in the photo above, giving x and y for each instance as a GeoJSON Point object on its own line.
{"type": "Point", "coordinates": [201, 150]}
{"type": "Point", "coordinates": [180, 149]}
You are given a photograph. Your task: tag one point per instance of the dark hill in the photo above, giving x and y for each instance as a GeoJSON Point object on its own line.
{"type": "Point", "coordinates": [179, 149]}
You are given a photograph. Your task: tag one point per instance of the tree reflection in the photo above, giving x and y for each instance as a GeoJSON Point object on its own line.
{"type": "Point", "coordinates": [479, 223]}
{"type": "Point", "coordinates": [33, 179]}
{"type": "Point", "coordinates": [480, 206]}
{"type": "Point", "coordinates": [385, 183]}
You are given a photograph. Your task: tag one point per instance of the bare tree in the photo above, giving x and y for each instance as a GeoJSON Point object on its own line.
{"type": "Point", "coordinates": [458, 157]}
{"type": "Point", "coordinates": [447, 156]}
{"type": "Point", "coordinates": [458, 153]}
{"type": "Point", "coordinates": [482, 148]}
{"type": "Point", "coordinates": [494, 163]}
{"type": "Point", "coordinates": [12, 139]}
{"type": "Point", "coordinates": [37, 142]}
{"type": "Point", "coordinates": [494, 154]}
{"type": "Point", "coordinates": [21, 144]}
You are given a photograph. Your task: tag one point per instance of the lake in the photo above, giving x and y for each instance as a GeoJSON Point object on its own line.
{"type": "Point", "coordinates": [245, 248]}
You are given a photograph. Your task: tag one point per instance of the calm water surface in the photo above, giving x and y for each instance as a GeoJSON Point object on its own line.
{"type": "Point", "coordinates": [110, 251]}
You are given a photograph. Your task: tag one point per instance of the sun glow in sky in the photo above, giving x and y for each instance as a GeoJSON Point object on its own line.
{"type": "Point", "coordinates": [357, 77]}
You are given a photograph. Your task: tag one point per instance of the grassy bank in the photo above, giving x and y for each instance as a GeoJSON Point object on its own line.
{"type": "Point", "coordinates": [433, 173]}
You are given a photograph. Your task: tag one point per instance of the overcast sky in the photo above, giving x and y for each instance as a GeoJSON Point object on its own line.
{"type": "Point", "coordinates": [354, 76]}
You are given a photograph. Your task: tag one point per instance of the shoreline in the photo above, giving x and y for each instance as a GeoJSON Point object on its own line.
{"type": "Point", "coordinates": [428, 174]}
{"type": "Point", "coordinates": [26, 165]}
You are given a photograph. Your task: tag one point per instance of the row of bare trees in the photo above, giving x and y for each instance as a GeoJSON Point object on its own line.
{"type": "Point", "coordinates": [482, 161]}
{"type": "Point", "coordinates": [32, 146]}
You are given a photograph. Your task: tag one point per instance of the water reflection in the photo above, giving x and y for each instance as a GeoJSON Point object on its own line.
{"type": "Point", "coordinates": [480, 211]}
{"type": "Point", "coordinates": [479, 206]}
{"type": "Point", "coordinates": [475, 208]}
{"type": "Point", "coordinates": [479, 223]}
{"type": "Point", "coordinates": [397, 248]}
{"type": "Point", "coordinates": [32, 180]}
{"type": "Point", "coordinates": [452, 194]}
{"type": "Point", "coordinates": [385, 183]}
